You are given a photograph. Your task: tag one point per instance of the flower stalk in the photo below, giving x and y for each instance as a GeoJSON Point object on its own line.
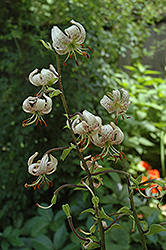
{"type": "Point", "coordinates": [101, 229]}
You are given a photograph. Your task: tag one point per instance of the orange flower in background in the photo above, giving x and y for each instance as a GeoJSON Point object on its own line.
{"type": "Point", "coordinates": [145, 165]}
{"type": "Point", "coordinates": [154, 190]}
{"type": "Point", "coordinates": [144, 178]}
{"type": "Point", "coordinates": [154, 174]}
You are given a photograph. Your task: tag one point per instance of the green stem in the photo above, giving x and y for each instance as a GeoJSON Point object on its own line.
{"type": "Point", "coordinates": [162, 153]}
{"type": "Point", "coordinates": [143, 241]}
{"type": "Point", "coordinates": [101, 229]}
{"type": "Point", "coordinates": [133, 208]}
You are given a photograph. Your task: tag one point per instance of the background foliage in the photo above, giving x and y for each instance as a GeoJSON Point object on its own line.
{"type": "Point", "coordinates": [112, 28]}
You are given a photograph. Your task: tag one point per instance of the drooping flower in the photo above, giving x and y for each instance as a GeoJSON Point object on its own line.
{"type": "Point", "coordinates": [43, 78]}
{"type": "Point", "coordinates": [116, 102]}
{"type": "Point", "coordinates": [70, 42]}
{"type": "Point", "coordinates": [41, 168]}
{"type": "Point", "coordinates": [85, 124]}
{"type": "Point", "coordinates": [37, 107]}
{"type": "Point", "coordinates": [106, 137]}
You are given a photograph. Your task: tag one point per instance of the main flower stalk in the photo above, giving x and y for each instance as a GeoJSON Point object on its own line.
{"type": "Point", "coordinates": [101, 229]}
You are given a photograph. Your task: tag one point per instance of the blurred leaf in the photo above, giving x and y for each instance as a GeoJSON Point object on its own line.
{"type": "Point", "coordinates": [60, 237]}
{"type": "Point", "coordinates": [42, 242]}
{"type": "Point", "coordinates": [155, 228]}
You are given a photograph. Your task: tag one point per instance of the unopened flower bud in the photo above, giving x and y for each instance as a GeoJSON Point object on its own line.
{"type": "Point", "coordinates": [66, 209]}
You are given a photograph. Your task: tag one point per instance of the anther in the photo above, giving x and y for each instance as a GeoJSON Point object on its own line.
{"type": "Point", "coordinates": [122, 154]}
{"type": "Point", "coordinates": [26, 185]}
{"type": "Point", "coordinates": [64, 62]}
{"type": "Point", "coordinates": [90, 49]}
{"type": "Point", "coordinates": [70, 56]}
{"type": "Point", "coordinates": [77, 63]}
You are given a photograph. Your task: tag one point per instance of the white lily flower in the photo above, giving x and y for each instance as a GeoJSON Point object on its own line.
{"type": "Point", "coordinates": [86, 123]}
{"type": "Point", "coordinates": [43, 78]}
{"type": "Point", "coordinates": [70, 42]}
{"type": "Point", "coordinates": [118, 104]}
{"type": "Point", "coordinates": [41, 168]}
{"type": "Point", "coordinates": [106, 137]}
{"type": "Point", "coordinates": [37, 107]}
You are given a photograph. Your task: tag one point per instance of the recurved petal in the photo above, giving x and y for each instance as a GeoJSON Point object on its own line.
{"type": "Point", "coordinates": [72, 32]}
{"type": "Point", "coordinates": [52, 165]}
{"type": "Point", "coordinates": [31, 158]}
{"type": "Point", "coordinates": [97, 140]}
{"type": "Point", "coordinates": [31, 76]}
{"type": "Point", "coordinates": [118, 135]}
{"type": "Point", "coordinates": [48, 105]}
{"type": "Point", "coordinates": [34, 169]}
{"type": "Point", "coordinates": [108, 104]}
{"type": "Point", "coordinates": [60, 40]}
{"type": "Point", "coordinates": [116, 95]}
{"type": "Point", "coordinates": [107, 132]}
{"type": "Point", "coordinates": [81, 128]}
{"type": "Point", "coordinates": [28, 104]}
{"type": "Point", "coordinates": [80, 39]}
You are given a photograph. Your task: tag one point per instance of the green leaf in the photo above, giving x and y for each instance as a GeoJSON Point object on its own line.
{"type": "Point", "coordinates": [42, 242]}
{"type": "Point", "coordinates": [52, 81]}
{"type": "Point", "coordinates": [155, 228]}
{"type": "Point", "coordinates": [56, 92]}
{"type": "Point", "coordinates": [16, 241]}
{"type": "Point", "coordinates": [144, 225]}
{"type": "Point", "coordinates": [89, 210]}
{"type": "Point", "coordinates": [103, 215]}
{"type": "Point", "coordinates": [67, 151]}
{"type": "Point", "coordinates": [145, 142]}
{"type": "Point", "coordinates": [72, 246]}
{"type": "Point", "coordinates": [7, 231]}
{"type": "Point", "coordinates": [116, 225]}
{"type": "Point", "coordinates": [4, 245]}
{"type": "Point", "coordinates": [124, 210]}
{"type": "Point", "coordinates": [60, 237]}
{"type": "Point", "coordinates": [130, 68]}
{"type": "Point", "coordinates": [152, 72]}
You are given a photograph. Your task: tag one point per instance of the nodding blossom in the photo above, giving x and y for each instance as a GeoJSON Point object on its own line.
{"type": "Point", "coordinates": [106, 137]}
{"type": "Point", "coordinates": [117, 102]}
{"type": "Point", "coordinates": [85, 124]}
{"type": "Point", "coordinates": [41, 168]}
{"type": "Point", "coordinates": [37, 107]}
{"type": "Point", "coordinates": [43, 78]}
{"type": "Point", "coordinates": [70, 42]}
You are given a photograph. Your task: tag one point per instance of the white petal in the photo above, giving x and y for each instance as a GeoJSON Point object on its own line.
{"type": "Point", "coordinates": [34, 169]}
{"type": "Point", "coordinates": [32, 74]}
{"type": "Point", "coordinates": [81, 128]}
{"type": "Point", "coordinates": [48, 105]}
{"type": "Point", "coordinates": [52, 165]}
{"type": "Point", "coordinates": [108, 104]}
{"type": "Point", "coordinates": [82, 35]}
{"type": "Point", "coordinates": [60, 40]}
{"type": "Point", "coordinates": [40, 105]}
{"type": "Point", "coordinates": [31, 158]}
{"type": "Point", "coordinates": [43, 164]}
{"type": "Point", "coordinates": [28, 106]}
{"type": "Point", "coordinates": [116, 95]}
